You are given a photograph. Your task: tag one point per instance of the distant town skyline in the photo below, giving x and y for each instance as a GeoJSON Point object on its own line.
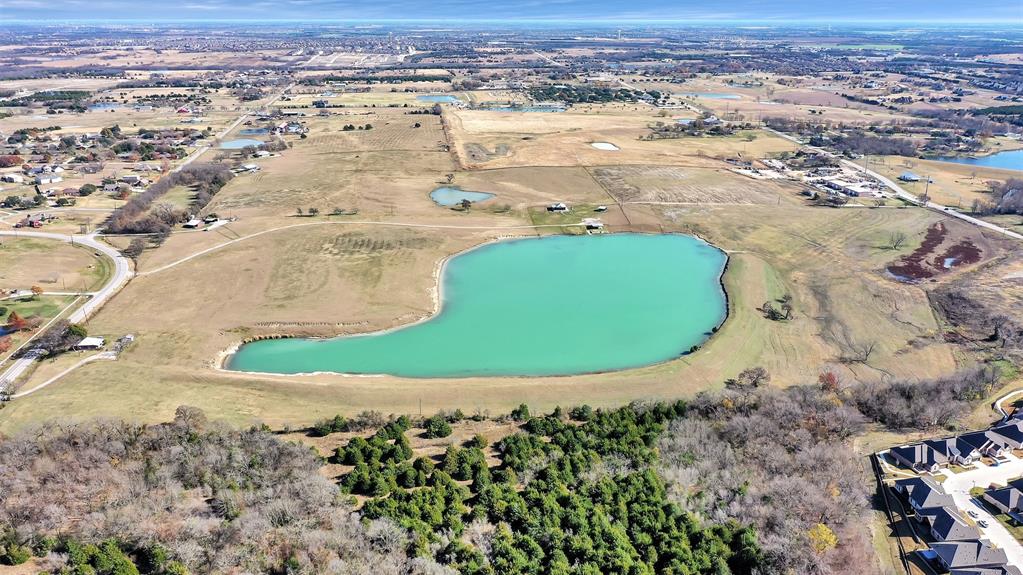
{"type": "Point", "coordinates": [603, 11]}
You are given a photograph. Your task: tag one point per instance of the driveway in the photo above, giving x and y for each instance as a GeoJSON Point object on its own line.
{"type": "Point", "coordinates": [958, 485]}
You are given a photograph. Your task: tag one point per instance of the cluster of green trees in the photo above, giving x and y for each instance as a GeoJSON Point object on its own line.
{"type": "Point", "coordinates": [353, 127]}
{"type": "Point", "coordinates": [572, 493]}
{"type": "Point", "coordinates": [109, 557]}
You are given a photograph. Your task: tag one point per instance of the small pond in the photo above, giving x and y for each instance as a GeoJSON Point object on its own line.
{"type": "Point", "coordinates": [239, 143]}
{"type": "Point", "coordinates": [253, 131]}
{"type": "Point", "coordinates": [451, 196]}
{"type": "Point", "coordinates": [438, 98]}
{"type": "Point", "coordinates": [713, 95]}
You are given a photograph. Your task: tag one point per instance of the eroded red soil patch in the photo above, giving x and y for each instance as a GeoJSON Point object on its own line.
{"type": "Point", "coordinates": [916, 266]}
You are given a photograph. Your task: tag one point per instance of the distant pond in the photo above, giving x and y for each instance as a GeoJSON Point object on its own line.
{"type": "Point", "coordinates": [438, 98]}
{"type": "Point", "coordinates": [546, 306]}
{"type": "Point", "coordinates": [239, 143]}
{"type": "Point", "coordinates": [1008, 160]}
{"type": "Point", "coordinates": [713, 95]}
{"type": "Point", "coordinates": [451, 196]}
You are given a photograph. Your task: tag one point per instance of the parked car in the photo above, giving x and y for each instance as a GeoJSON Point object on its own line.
{"type": "Point", "coordinates": [972, 513]}
{"type": "Point", "coordinates": [982, 523]}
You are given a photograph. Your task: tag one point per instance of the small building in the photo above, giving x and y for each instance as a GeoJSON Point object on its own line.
{"type": "Point", "coordinates": [909, 177]}
{"type": "Point", "coordinates": [193, 223]}
{"type": "Point", "coordinates": [593, 224]}
{"type": "Point", "coordinates": [91, 343]}
{"type": "Point", "coordinates": [12, 178]}
{"type": "Point", "coordinates": [558, 207]}
{"type": "Point", "coordinates": [48, 179]}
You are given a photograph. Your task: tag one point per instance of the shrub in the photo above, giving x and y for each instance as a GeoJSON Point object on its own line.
{"type": "Point", "coordinates": [437, 426]}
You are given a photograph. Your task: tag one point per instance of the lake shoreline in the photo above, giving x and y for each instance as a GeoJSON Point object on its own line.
{"type": "Point", "coordinates": [224, 358]}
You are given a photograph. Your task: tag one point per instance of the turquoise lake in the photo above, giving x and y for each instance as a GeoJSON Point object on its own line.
{"type": "Point", "coordinates": [448, 196]}
{"type": "Point", "coordinates": [1009, 160]}
{"type": "Point", "coordinates": [540, 306]}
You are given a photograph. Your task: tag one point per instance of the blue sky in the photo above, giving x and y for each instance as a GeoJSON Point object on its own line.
{"type": "Point", "coordinates": [1001, 11]}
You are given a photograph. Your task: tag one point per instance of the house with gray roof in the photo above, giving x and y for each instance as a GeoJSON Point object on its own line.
{"type": "Point", "coordinates": [1003, 570]}
{"type": "Point", "coordinates": [946, 524]}
{"type": "Point", "coordinates": [1011, 433]}
{"type": "Point", "coordinates": [955, 450]}
{"type": "Point", "coordinates": [907, 485]}
{"type": "Point", "coordinates": [929, 494]}
{"type": "Point", "coordinates": [1008, 499]}
{"type": "Point", "coordinates": [971, 553]}
{"type": "Point", "coordinates": [987, 443]}
{"type": "Point", "coordinates": [918, 457]}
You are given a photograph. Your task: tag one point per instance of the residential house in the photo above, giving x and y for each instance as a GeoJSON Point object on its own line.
{"type": "Point", "coordinates": [972, 553]}
{"type": "Point", "coordinates": [1008, 499]}
{"type": "Point", "coordinates": [987, 444]}
{"type": "Point", "coordinates": [946, 524]}
{"type": "Point", "coordinates": [1009, 433]}
{"type": "Point", "coordinates": [906, 486]}
{"type": "Point", "coordinates": [12, 178]}
{"type": "Point", "coordinates": [955, 450]}
{"type": "Point", "coordinates": [927, 493]}
{"type": "Point", "coordinates": [918, 456]}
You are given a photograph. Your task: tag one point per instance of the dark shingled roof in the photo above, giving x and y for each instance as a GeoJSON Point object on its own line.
{"type": "Point", "coordinates": [920, 454]}
{"type": "Point", "coordinates": [948, 525]}
{"type": "Point", "coordinates": [974, 553]}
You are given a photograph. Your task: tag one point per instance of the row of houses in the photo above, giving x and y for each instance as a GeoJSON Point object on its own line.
{"type": "Point", "coordinates": [957, 545]}
{"type": "Point", "coordinates": [931, 455]}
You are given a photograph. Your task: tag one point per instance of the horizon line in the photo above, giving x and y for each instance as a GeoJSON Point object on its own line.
{"type": "Point", "coordinates": [562, 20]}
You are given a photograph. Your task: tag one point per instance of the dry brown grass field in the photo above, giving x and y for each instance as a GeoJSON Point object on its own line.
{"type": "Point", "coordinates": [273, 272]}
{"type": "Point", "coordinates": [54, 266]}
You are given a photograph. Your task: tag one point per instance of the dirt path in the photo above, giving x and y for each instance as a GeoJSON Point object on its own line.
{"type": "Point", "coordinates": [364, 223]}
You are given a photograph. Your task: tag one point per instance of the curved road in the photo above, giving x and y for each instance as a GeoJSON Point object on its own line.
{"type": "Point", "coordinates": [121, 275]}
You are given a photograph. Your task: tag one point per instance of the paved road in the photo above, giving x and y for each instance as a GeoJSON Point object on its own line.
{"type": "Point", "coordinates": [958, 485]}
{"type": "Point", "coordinates": [121, 275]}
{"type": "Point", "coordinates": [903, 194]}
